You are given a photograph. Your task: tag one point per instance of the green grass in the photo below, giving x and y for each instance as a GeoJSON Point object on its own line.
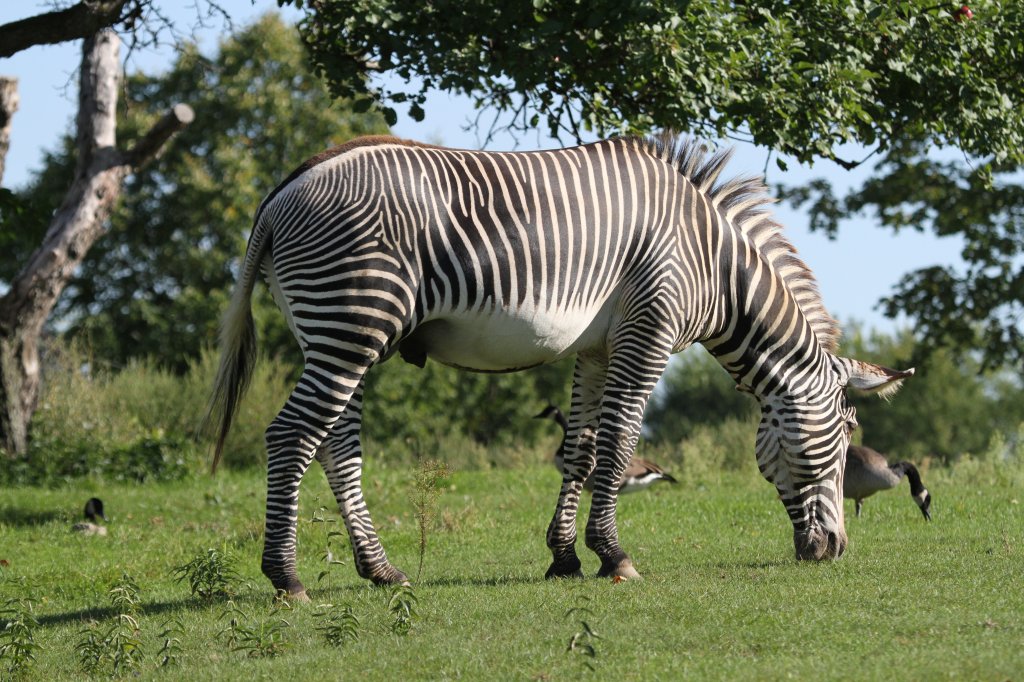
{"type": "Point", "coordinates": [722, 596]}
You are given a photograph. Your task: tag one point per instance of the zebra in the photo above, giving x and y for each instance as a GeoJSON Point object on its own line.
{"type": "Point", "coordinates": [619, 252]}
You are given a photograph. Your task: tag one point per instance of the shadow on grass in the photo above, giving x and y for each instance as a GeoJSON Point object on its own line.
{"type": "Point", "coordinates": [763, 564]}
{"type": "Point", "coordinates": [104, 613]}
{"type": "Point", "coordinates": [13, 516]}
{"type": "Point", "coordinates": [496, 581]}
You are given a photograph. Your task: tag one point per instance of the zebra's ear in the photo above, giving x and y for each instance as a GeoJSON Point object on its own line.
{"type": "Point", "coordinates": [871, 378]}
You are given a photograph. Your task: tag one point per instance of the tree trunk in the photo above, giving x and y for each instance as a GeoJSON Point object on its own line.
{"type": "Point", "coordinates": [8, 105]}
{"type": "Point", "coordinates": [100, 171]}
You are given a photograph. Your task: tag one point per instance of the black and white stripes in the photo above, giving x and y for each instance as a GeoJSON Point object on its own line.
{"type": "Point", "coordinates": [620, 253]}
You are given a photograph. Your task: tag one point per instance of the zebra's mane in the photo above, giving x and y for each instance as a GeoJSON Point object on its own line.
{"type": "Point", "coordinates": [743, 201]}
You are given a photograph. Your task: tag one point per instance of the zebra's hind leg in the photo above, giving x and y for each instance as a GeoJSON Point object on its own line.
{"type": "Point", "coordinates": [578, 461]}
{"type": "Point", "coordinates": [315, 404]}
{"type": "Point", "coordinates": [341, 457]}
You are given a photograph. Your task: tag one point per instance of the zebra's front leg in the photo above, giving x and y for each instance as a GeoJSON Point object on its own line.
{"type": "Point", "coordinates": [561, 536]}
{"type": "Point", "coordinates": [341, 457]}
{"type": "Point", "coordinates": [631, 377]}
{"type": "Point", "coordinates": [577, 463]}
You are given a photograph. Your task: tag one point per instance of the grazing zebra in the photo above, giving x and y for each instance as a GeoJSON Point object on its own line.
{"type": "Point", "coordinates": [868, 472]}
{"type": "Point", "coordinates": [639, 474]}
{"type": "Point", "coordinates": [620, 252]}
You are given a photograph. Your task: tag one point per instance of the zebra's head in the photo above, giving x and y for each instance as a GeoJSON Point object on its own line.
{"type": "Point", "coordinates": [801, 449]}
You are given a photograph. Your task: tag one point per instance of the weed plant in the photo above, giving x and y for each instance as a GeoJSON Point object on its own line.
{"type": "Point", "coordinates": [18, 626]}
{"type": "Point", "coordinates": [426, 490]}
{"type": "Point", "coordinates": [338, 624]}
{"type": "Point", "coordinates": [210, 575]}
{"type": "Point", "coordinates": [402, 606]}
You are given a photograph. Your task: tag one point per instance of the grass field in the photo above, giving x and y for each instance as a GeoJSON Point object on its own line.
{"type": "Point", "coordinates": [722, 596]}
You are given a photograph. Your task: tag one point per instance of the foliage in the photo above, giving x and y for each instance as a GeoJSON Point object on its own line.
{"type": "Point", "coordinates": [119, 646]}
{"type": "Point", "coordinates": [401, 405]}
{"type": "Point", "coordinates": [772, 69]}
{"type": "Point", "coordinates": [338, 625]}
{"type": "Point", "coordinates": [263, 638]}
{"type": "Point", "coordinates": [210, 575]}
{"type": "Point", "coordinates": [328, 557]}
{"type": "Point", "coordinates": [584, 641]}
{"type": "Point", "coordinates": [18, 644]}
{"type": "Point", "coordinates": [402, 602]}
{"type": "Point", "coordinates": [170, 652]}
{"type": "Point", "coordinates": [978, 305]}
{"type": "Point", "coordinates": [135, 425]}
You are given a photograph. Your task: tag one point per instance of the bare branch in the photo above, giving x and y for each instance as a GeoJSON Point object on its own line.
{"type": "Point", "coordinates": [75, 22]}
{"type": "Point", "coordinates": [174, 120]}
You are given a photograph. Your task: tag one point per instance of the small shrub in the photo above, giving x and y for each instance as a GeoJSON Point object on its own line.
{"type": "Point", "coordinates": [18, 646]}
{"type": "Point", "coordinates": [120, 645]}
{"type": "Point", "coordinates": [209, 575]}
{"type": "Point", "coordinates": [171, 648]}
{"type": "Point", "coordinates": [328, 557]}
{"type": "Point", "coordinates": [402, 606]}
{"type": "Point", "coordinates": [338, 624]}
{"type": "Point", "coordinates": [258, 639]}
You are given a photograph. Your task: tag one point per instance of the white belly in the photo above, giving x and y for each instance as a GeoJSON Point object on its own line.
{"type": "Point", "coordinates": [502, 340]}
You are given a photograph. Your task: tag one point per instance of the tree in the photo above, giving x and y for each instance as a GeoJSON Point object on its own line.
{"type": "Point", "coordinates": [158, 281]}
{"type": "Point", "coordinates": [800, 78]}
{"type": "Point", "coordinates": [99, 171]}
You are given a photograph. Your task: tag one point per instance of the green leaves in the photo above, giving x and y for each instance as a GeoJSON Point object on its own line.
{"type": "Point", "coordinates": [702, 66]}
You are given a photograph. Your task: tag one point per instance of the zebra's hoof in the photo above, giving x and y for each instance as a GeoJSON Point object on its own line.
{"type": "Point", "coordinates": [390, 577]}
{"type": "Point", "coordinates": [623, 570]}
{"type": "Point", "coordinates": [299, 597]}
{"type": "Point", "coordinates": [564, 569]}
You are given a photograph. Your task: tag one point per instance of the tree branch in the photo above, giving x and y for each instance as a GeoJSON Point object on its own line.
{"type": "Point", "coordinates": [75, 22]}
{"type": "Point", "coordinates": [179, 116]}
{"type": "Point", "coordinates": [101, 170]}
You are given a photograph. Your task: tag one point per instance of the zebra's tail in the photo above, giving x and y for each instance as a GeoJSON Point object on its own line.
{"type": "Point", "coordinates": [237, 345]}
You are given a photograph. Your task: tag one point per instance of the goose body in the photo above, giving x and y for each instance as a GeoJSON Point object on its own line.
{"type": "Point", "coordinates": [868, 472]}
{"type": "Point", "coordinates": [93, 513]}
{"type": "Point", "coordinates": [640, 473]}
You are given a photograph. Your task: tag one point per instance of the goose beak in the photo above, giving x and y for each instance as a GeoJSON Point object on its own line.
{"type": "Point", "coordinates": [926, 507]}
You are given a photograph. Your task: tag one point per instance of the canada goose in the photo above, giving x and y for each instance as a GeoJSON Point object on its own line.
{"type": "Point", "coordinates": [639, 474]}
{"type": "Point", "coordinates": [867, 472]}
{"type": "Point", "coordinates": [93, 512]}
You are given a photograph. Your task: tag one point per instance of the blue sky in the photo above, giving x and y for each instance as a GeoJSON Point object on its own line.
{"type": "Point", "coordinates": [854, 271]}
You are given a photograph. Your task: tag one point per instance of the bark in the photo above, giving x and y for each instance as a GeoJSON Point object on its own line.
{"type": "Point", "coordinates": [8, 105]}
{"type": "Point", "coordinates": [75, 22]}
{"type": "Point", "coordinates": [100, 171]}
